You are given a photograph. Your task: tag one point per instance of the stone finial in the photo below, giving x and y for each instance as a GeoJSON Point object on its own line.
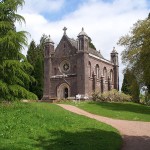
{"type": "Point", "coordinates": [82, 33]}
{"type": "Point", "coordinates": [114, 50]}
{"type": "Point", "coordinates": [65, 29]}
{"type": "Point", "coordinates": [49, 40]}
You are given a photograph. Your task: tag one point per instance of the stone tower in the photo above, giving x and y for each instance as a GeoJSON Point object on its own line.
{"type": "Point", "coordinates": [82, 63]}
{"type": "Point", "coordinates": [114, 60]}
{"type": "Point", "coordinates": [48, 53]}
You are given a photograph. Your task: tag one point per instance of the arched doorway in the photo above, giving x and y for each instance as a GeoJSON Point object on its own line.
{"type": "Point", "coordinates": [63, 91]}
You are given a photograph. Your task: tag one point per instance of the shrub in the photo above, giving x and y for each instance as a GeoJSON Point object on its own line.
{"type": "Point", "coordinates": [95, 96]}
{"type": "Point", "coordinates": [111, 96]}
{"type": "Point", "coordinates": [145, 98]}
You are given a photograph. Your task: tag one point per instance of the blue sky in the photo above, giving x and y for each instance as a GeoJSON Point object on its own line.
{"type": "Point", "coordinates": [67, 7]}
{"type": "Point", "coordinates": [105, 21]}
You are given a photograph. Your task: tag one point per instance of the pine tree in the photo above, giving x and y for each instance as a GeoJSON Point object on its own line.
{"type": "Point", "coordinates": [38, 75]}
{"type": "Point", "coordinates": [32, 53]}
{"type": "Point", "coordinates": [130, 85]}
{"type": "Point", "coordinates": [91, 45]}
{"type": "Point", "coordinates": [125, 85]}
{"type": "Point", "coordinates": [35, 56]}
{"type": "Point", "coordinates": [14, 67]}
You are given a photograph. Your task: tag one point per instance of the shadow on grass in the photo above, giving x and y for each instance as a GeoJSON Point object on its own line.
{"type": "Point", "coordinates": [136, 108]}
{"type": "Point", "coordinates": [136, 142]}
{"type": "Point", "coordinates": [87, 139]}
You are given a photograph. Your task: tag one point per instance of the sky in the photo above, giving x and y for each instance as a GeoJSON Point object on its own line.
{"type": "Point", "coordinates": [105, 21]}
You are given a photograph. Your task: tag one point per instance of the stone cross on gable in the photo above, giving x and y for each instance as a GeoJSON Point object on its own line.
{"type": "Point", "coordinates": [64, 30]}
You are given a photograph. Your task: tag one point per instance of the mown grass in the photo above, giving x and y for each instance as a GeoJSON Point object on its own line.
{"type": "Point", "coordinates": [125, 111]}
{"type": "Point", "coordinates": [43, 126]}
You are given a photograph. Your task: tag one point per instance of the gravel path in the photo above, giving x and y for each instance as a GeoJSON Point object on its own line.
{"type": "Point", "coordinates": [135, 134]}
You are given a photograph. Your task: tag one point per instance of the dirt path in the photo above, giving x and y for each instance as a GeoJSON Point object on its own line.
{"type": "Point", "coordinates": [136, 134]}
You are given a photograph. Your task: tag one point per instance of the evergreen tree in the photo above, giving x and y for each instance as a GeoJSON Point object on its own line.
{"type": "Point", "coordinates": [35, 56]}
{"type": "Point", "coordinates": [13, 65]}
{"type": "Point", "coordinates": [130, 85]}
{"type": "Point", "coordinates": [135, 91]}
{"type": "Point", "coordinates": [125, 85]}
{"type": "Point", "coordinates": [32, 53]}
{"type": "Point", "coordinates": [91, 45]}
{"type": "Point", "coordinates": [38, 75]}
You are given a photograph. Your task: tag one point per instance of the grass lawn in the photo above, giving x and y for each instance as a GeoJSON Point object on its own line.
{"type": "Point", "coordinates": [43, 126]}
{"type": "Point", "coordinates": [125, 111]}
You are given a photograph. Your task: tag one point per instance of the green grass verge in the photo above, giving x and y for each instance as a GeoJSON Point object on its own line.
{"type": "Point", "coordinates": [125, 111]}
{"type": "Point", "coordinates": [43, 126]}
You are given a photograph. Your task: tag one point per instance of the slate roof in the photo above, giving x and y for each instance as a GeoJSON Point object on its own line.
{"type": "Point", "coordinates": [95, 52]}
{"type": "Point", "coordinates": [73, 43]}
{"type": "Point", "coordinates": [91, 50]}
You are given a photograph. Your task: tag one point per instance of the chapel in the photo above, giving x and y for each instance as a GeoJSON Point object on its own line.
{"type": "Point", "coordinates": [76, 67]}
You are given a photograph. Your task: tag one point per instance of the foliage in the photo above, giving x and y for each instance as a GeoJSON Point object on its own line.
{"type": "Point", "coordinates": [96, 95]}
{"type": "Point", "coordinates": [126, 84]}
{"type": "Point", "coordinates": [137, 51]}
{"type": "Point", "coordinates": [37, 87]}
{"type": "Point", "coordinates": [144, 96]}
{"type": "Point", "coordinates": [125, 111]}
{"type": "Point", "coordinates": [32, 53]}
{"type": "Point", "coordinates": [111, 96]}
{"type": "Point", "coordinates": [35, 56]}
{"type": "Point", "coordinates": [42, 126]}
{"type": "Point", "coordinates": [91, 45]}
{"type": "Point", "coordinates": [130, 85]}
{"type": "Point", "coordinates": [13, 65]}
{"type": "Point", "coordinates": [10, 41]}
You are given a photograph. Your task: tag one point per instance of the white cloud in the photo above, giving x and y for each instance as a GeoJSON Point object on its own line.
{"type": "Point", "coordinates": [40, 6]}
{"type": "Point", "coordinates": [104, 22]}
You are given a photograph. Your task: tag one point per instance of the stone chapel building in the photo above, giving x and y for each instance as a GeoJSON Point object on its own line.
{"type": "Point", "coordinates": [74, 67]}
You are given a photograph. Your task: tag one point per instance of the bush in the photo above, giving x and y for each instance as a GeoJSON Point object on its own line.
{"type": "Point", "coordinates": [95, 96]}
{"type": "Point", "coordinates": [111, 96]}
{"type": "Point", "coordinates": [145, 99]}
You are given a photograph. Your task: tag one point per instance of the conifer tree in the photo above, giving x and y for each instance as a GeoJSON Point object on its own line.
{"type": "Point", "coordinates": [130, 85]}
{"type": "Point", "coordinates": [14, 67]}
{"type": "Point", "coordinates": [125, 85]}
{"type": "Point", "coordinates": [32, 53]}
{"type": "Point", "coordinates": [35, 56]}
{"type": "Point", "coordinates": [91, 45]}
{"type": "Point", "coordinates": [38, 75]}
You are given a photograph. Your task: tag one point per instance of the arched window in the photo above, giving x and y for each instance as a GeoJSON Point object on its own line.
{"type": "Point", "coordinates": [90, 71]}
{"type": "Point", "coordinates": [111, 75]}
{"type": "Point", "coordinates": [97, 71]}
{"type": "Point", "coordinates": [81, 44]}
{"type": "Point", "coordinates": [105, 73]}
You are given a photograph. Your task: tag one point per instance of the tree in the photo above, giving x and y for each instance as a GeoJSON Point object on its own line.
{"type": "Point", "coordinates": [13, 65]}
{"type": "Point", "coordinates": [35, 56]}
{"type": "Point", "coordinates": [125, 85]}
{"type": "Point", "coordinates": [38, 75]}
{"type": "Point", "coordinates": [91, 45]}
{"type": "Point", "coordinates": [32, 53]}
{"type": "Point", "coordinates": [130, 85]}
{"type": "Point", "coordinates": [137, 51]}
